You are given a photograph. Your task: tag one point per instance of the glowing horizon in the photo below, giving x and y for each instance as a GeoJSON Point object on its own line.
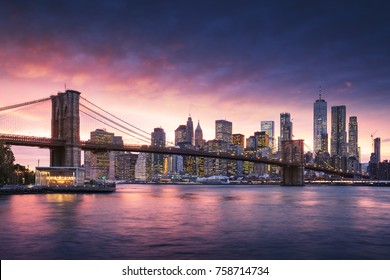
{"type": "Point", "coordinates": [155, 65]}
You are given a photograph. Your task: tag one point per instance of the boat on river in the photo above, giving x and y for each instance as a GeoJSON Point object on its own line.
{"type": "Point", "coordinates": [214, 180]}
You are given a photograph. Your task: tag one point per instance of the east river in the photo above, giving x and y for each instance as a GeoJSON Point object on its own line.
{"type": "Point", "coordinates": [199, 222]}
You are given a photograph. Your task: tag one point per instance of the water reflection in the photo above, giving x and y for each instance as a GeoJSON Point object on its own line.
{"type": "Point", "coordinates": [199, 222]}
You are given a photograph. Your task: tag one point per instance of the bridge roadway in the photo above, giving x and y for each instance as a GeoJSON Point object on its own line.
{"type": "Point", "coordinates": [44, 142]}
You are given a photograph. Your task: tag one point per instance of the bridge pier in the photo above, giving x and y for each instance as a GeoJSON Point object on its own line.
{"type": "Point", "coordinates": [65, 125]}
{"type": "Point", "coordinates": [293, 172]}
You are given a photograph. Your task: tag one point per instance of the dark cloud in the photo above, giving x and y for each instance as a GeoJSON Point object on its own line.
{"type": "Point", "coordinates": [288, 44]}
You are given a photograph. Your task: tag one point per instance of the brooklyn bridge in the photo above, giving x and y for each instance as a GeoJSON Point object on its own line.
{"type": "Point", "coordinates": [65, 145]}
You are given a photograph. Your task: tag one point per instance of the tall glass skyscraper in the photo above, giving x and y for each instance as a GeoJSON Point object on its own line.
{"type": "Point", "coordinates": [353, 138]}
{"type": "Point", "coordinates": [286, 128]}
{"type": "Point", "coordinates": [320, 130]}
{"type": "Point", "coordinates": [377, 149]}
{"type": "Point", "coordinates": [269, 127]}
{"type": "Point", "coordinates": [339, 134]}
{"type": "Point", "coordinates": [223, 130]}
{"type": "Point", "coordinates": [190, 131]}
{"type": "Point", "coordinates": [158, 140]}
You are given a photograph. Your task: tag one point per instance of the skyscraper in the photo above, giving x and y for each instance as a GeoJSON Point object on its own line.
{"type": "Point", "coordinates": [375, 159]}
{"type": "Point", "coordinates": [223, 130]}
{"type": "Point", "coordinates": [286, 128]}
{"type": "Point", "coordinates": [269, 127]}
{"type": "Point", "coordinates": [100, 165]}
{"type": "Point", "coordinates": [125, 166]}
{"type": "Point", "coordinates": [190, 131]}
{"type": "Point", "coordinates": [261, 140]}
{"type": "Point", "coordinates": [180, 134]}
{"type": "Point", "coordinates": [158, 140]}
{"type": "Point", "coordinates": [198, 136]}
{"type": "Point", "coordinates": [158, 137]}
{"type": "Point", "coordinates": [339, 134]}
{"type": "Point", "coordinates": [239, 140]}
{"type": "Point", "coordinates": [320, 130]}
{"type": "Point", "coordinates": [353, 138]}
{"type": "Point", "coordinates": [377, 149]}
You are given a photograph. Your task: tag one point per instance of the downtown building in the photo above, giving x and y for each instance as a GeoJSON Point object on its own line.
{"type": "Point", "coordinates": [320, 127]}
{"type": "Point", "coordinates": [199, 141]}
{"type": "Point", "coordinates": [286, 129]}
{"type": "Point", "coordinates": [143, 167]}
{"type": "Point", "coordinates": [353, 163]}
{"type": "Point", "coordinates": [269, 127]}
{"type": "Point", "coordinates": [375, 159]}
{"type": "Point", "coordinates": [158, 140]}
{"type": "Point", "coordinates": [101, 165]}
{"type": "Point", "coordinates": [338, 145]}
{"type": "Point", "coordinates": [224, 142]}
{"type": "Point", "coordinates": [238, 149]}
{"type": "Point", "coordinates": [223, 131]}
{"type": "Point", "coordinates": [190, 131]}
{"type": "Point", "coordinates": [185, 138]}
{"type": "Point", "coordinates": [125, 166]}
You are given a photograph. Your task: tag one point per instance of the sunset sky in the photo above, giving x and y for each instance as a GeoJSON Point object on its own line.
{"type": "Point", "coordinates": [155, 62]}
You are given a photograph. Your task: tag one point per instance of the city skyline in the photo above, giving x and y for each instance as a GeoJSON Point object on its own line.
{"type": "Point", "coordinates": [156, 64]}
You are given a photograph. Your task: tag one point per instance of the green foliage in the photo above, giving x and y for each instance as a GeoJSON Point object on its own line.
{"type": "Point", "coordinates": [7, 159]}
{"type": "Point", "coordinates": [11, 173]}
{"type": "Point", "coordinates": [22, 175]}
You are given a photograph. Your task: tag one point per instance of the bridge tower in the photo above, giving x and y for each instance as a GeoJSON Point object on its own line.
{"type": "Point", "coordinates": [293, 172]}
{"type": "Point", "coordinates": [65, 126]}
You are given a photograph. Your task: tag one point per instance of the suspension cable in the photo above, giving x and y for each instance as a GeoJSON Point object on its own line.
{"type": "Point", "coordinates": [118, 124]}
{"type": "Point", "coordinates": [24, 104]}
{"type": "Point", "coordinates": [115, 116]}
{"type": "Point", "coordinates": [89, 115]}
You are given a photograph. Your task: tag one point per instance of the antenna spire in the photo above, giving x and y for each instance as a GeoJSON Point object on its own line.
{"type": "Point", "coordinates": [320, 91]}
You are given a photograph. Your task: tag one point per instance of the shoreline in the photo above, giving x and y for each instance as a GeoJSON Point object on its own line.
{"type": "Point", "coordinates": [9, 190]}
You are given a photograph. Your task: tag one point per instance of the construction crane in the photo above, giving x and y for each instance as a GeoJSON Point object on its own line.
{"type": "Point", "coordinates": [372, 140]}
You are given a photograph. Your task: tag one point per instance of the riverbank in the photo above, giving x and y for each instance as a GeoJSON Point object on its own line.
{"type": "Point", "coordinates": [11, 189]}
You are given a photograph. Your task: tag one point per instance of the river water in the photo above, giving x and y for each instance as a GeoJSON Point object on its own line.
{"type": "Point", "coordinates": [199, 222]}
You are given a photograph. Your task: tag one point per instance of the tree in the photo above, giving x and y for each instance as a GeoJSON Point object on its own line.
{"type": "Point", "coordinates": [22, 175]}
{"type": "Point", "coordinates": [7, 159]}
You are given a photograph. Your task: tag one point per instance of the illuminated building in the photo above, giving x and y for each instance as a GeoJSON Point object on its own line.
{"type": "Point", "coordinates": [250, 143]}
{"type": "Point", "coordinates": [375, 159]}
{"type": "Point", "coordinates": [213, 166]}
{"type": "Point", "coordinates": [239, 140]}
{"type": "Point", "coordinates": [198, 136]}
{"type": "Point", "coordinates": [353, 138]}
{"type": "Point", "coordinates": [238, 146]}
{"type": "Point", "coordinates": [223, 130]}
{"type": "Point", "coordinates": [189, 162]}
{"type": "Point", "coordinates": [248, 167]}
{"type": "Point", "coordinates": [180, 134]}
{"type": "Point", "coordinates": [200, 166]}
{"type": "Point", "coordinates": [190, 131]}
{"type": "Point", "coordinates": [286, 128]}
{"type": "Point", "coordinates": [125, 166]}
{"type": "Point", "coordinates": [59, 176]}
{"type": "Point", "coordinates": [353, 149]}
{"type": "Point", "coordinates": [269, 127]}
{"type": "Point", "coordinates": [100, 165]}
{"type": "Point", "coordinates": [377, 149]}
{"type": "Point", "coordinates": [261, 140]}
{"type": "Point", "coordinates": [320, 127]}
{"type": "Point", "coordinates": [143, 167]}
{"type": "Point", "coordinates": [339, 134]}
{"type": "Point", "coordinates": [234, 167]}
{"type": "Point", "coordinates": [158, 140]}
